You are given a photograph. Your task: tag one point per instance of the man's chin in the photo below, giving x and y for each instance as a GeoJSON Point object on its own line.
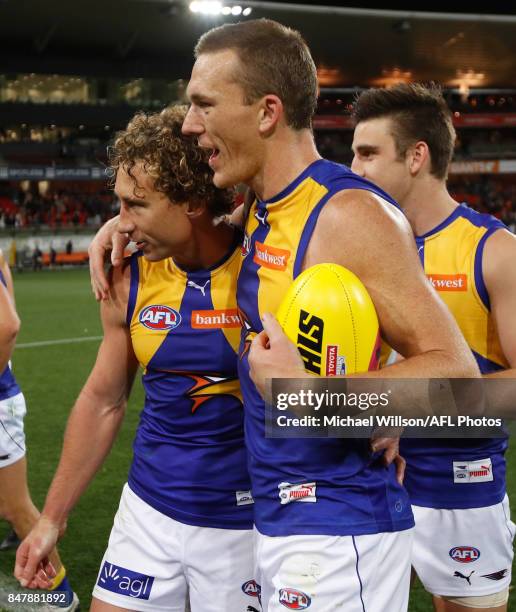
{"type": "Point", "coordinates": [223, 182]}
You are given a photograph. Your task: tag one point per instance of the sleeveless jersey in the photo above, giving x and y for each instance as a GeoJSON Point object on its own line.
{"type": "Point", "coordinates": [351, 492]}
{"type": "Point", "coordinates": [460, 473]}
{"type": "Point", "coordinates": [8, 385]}
{"type": "Point", "coordinates": [189, 455]}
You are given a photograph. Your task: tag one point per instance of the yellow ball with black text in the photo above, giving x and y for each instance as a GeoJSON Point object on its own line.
{"type": "Point", "coordinates": [328, 314]}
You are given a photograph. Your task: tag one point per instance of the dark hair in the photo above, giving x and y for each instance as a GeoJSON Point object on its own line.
{"type": "Point", "coordinates": [274, 60]}
{"type": "Point", "coordinates": [418, 112]}
{"type": "Point", "coordinates": [176, 163]}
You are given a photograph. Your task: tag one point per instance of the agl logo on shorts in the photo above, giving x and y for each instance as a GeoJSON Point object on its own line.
{"type": "Point", "coordinates": [293, 599]}
{"type": "Point", "coordinates": [464, 554]}
{"type": "Point", "coordinates": [159, 318]}
{"type": "Point", "coordinates": [124, 581]}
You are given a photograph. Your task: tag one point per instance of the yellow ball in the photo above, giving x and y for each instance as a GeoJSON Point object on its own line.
{"type": "Point", "coordinates": [329, 315]}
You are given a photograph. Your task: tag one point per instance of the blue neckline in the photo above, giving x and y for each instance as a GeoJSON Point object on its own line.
{"type": "Point", "coordinates": [457, 212]}
{"type": "Point", "coordinates": [291, 186]}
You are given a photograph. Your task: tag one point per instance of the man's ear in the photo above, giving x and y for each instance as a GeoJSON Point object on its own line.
{"type": "Point", "coordinates": [270, 112]}
{"type": "Point", "coordinates": [194, 209]}
{"type": "Point", "coordinates": [418, 156]}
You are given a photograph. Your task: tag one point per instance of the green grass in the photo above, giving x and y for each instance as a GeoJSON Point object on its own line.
{"type": "Point", "coordinates": [59, 305]}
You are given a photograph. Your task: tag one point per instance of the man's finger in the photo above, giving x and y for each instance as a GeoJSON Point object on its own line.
{"type": "Point", "coordinates": [272, 328]}
{"type": "Point", "coordinates": [401, 464]}
{"type": "Point", "coordinates": [120, 241]}
{"type": "Point", "coordinates": [261, 340]}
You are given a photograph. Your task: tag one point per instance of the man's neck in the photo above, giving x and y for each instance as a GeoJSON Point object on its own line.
{"type": "Point", "coordinates": [209, 244]}
{"type": "Point", "coordinates": [428, 205]}
{"type": "Point", "coordinates": [286, 156]}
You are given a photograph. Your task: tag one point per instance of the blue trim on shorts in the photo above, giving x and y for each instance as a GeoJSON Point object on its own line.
{"type": "Point", "coordinates": [358, 573]}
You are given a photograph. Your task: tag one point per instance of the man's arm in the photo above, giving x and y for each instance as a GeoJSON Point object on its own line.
{"type": "Point", "coordinates": [6, 271]}
{"type": "Point", "coordinates": [91, 430]}
{"type": "Point", "coordinates": [374, 240]}
{"type": "Point", "coordinates": [499, 272]}
{"type": "Point", "coordinates": [9, 321]}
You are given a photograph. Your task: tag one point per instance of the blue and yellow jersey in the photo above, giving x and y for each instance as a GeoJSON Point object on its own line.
{"type": "Point", "coordinates": [349, 490]}
{"type": "Point", "coordinates": [8, 385]}
{"type": "Point", "coordinates": [452, 258]}
{"type": "Point", "coordinates": [189, 456]}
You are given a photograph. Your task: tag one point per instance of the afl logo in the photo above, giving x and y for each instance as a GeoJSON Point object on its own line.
{"type": "Point", "coordinates": [251, 588]}
{"type": "Point", "coordinates": [246, 246]}
{"type": "Point", "coordinates": [293, 599]}
{"type": "Point", "coordinates": [159, 318]}
{"type": "Point", "coordinates": [464, 554]}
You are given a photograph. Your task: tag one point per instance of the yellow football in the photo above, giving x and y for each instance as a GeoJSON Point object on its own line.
{"type": "Point", "coordinates": [329, 315]}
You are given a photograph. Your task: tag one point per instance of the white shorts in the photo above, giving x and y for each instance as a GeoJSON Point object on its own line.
{"type": "Point", "coordinates": [330, 573]}
{"type": "Point", "coordinates": [12, 436]}
{"type": "Point", "coordinates": [152, 561]}
{"type": "Point", "coordinates": [462, 553]}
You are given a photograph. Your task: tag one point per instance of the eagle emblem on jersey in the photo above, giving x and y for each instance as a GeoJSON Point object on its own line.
{"type": "Point", "coordinates": [207, 386]}
{"type": "Point", "coordinates": [248, 333]}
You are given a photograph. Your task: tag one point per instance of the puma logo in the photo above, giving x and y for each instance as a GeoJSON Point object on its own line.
{"type": "Point", "coordinates": [467, 578]}
{"type": "Point", "coordinates": [196, 286]}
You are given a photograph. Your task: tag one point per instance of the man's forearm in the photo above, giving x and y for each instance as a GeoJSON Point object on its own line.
{"type": "Point", "coordinates": [90, 433]}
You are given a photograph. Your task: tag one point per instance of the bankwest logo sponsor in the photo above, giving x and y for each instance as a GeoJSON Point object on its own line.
{"type": "Point", "coordinates": [270, 257]}
{"type": "Point", "coordinates": [449, 282]}
{"type": "Point", "coordinates": [215, 319]}
{"type": "Point", "coordinates": [472, 471]}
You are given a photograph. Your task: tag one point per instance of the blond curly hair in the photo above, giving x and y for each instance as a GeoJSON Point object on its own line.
{"type": "Point", "coordinates": [177, 164]}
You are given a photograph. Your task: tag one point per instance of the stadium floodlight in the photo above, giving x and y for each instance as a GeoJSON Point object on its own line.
{"type": "Point", "coordinates": [206, 7]}
{"type": "Point", "coordinates": [214, 7]}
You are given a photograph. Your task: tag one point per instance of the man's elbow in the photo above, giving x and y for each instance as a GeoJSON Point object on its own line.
{"type": "Point", "coordinates": [9, 329]}
{"type": "Point", "coordinates": [463, 365]}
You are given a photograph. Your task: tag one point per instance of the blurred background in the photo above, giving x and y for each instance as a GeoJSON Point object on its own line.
{"type": "Point", "coordinates": [73, 73]}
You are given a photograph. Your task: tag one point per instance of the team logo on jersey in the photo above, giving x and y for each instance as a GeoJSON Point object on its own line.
{"type": "Point", "coordinates": [294, 599]}
{"type": "Point", "coordinates": [464, 554]}
{"type": "Point", "coordinates": [124, 581]}
{"type": "Point", "coordinates": [304, 492]}
{"type": "Point", "coordinates": [159, 318]}
{"type": "Point", "coordinates": [448, 282]}
{"type": "Point", "coordinates": [252, 588]}
{"type": "Point", "coordinates": [466, 578]}
{"type": "Point", "coordinates": [499, 575]}
{"type": "Point", "coordinates": [270, 257]}
{"type": "Point", "coordinates": [207, 386]}
{"type": "Point", "coordinates": [248, 333]}
{"type": "Point", "coordinates": [473, 471]}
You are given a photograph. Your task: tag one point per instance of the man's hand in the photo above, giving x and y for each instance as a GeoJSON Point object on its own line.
{"type": "Point", "coordinates": [108, 238]}
{"type": "Point", "coordinates": [33, 568]}
{"type": "Point", "coordinates": [273, 355]}
{"type": "Point", "coordinates": [391, 446]}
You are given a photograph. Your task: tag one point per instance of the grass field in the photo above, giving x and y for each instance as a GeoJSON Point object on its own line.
{"type": "Point", "coordinates": [58, 305]}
